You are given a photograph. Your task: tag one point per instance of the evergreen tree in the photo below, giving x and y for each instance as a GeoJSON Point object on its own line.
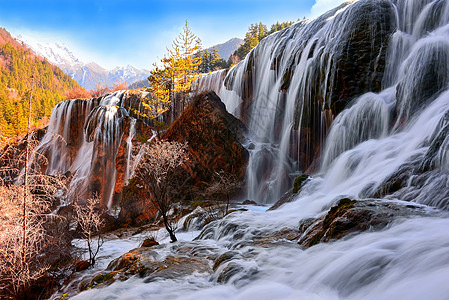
{"type": "Point", "coordinates": [17, 64]}
{"type": "Point", "coordinates": [175, 75]}
{"type": "Point", "coordinates": [185, 63]}
{"type": "Point", "coordinates": [211, 61]}
{"type": "Point", "coordinates": [279, 26]}
{"type": "Point", "coordinates": [255, 34]}
{"type": "Point", "coordinates": [159, 92]}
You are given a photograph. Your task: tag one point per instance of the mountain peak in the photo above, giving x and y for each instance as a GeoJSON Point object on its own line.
{"type": "Point", "coordinates": [55, 52]}
{"type": "Point", "coordinates": [88, 75]}
{"type": "Point", "coordinates": [227, 48]}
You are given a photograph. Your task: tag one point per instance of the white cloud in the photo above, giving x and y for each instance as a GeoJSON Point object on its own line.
{"type": "Point", "coordinates": [322, 6]}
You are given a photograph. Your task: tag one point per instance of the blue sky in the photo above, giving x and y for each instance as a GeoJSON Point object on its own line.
{"type": "Point", "coordinates": [116, 32]}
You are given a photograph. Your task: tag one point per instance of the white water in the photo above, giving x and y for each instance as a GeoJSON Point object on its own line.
{"type": "Point", "coordinates": [367, 143]}
{"type": "Point", "coordinates": [275, 90]}
{"type": "Point", "coordinates": [83, 141]}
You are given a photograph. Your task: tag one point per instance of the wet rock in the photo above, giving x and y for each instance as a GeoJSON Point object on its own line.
{"type": "Point", "coordinates": [203, 216]}
{"type": "Point", "coordinates": [149, 242]}
{"type": "Point", "coordinates": [286, 198]}
{"type": "Point", "coordinates": [236, 271]}
{"type": "Point", "coordinates": [352, 216]}
{"type": "Point", "coordinates": [229, 270]}
{"type": "Point", "coordinates": [272, 239]}
{"type": "Point", "coordinates": [299, 183]}
{"type": "Point", "coordinates": [125, 261]}
{"type": "Point", "coordinates": [173, 267]}
{"type": "Point", "coordinates": [227, 256]}
{"type": "Point", "coordinates": [430, 160]}
{"type": "Point", "coordinates": [426, 75]}
{"type": "Point", "coordinates": [249, 202]}
{"type": "Point", "coordinates": [82, 265]}
{"type": "Point", "coordinates": [146, 263]}
{"type": "Point", "coordinates": [103, 279]}
{"type": "Point", "coordinates": [394, 182]}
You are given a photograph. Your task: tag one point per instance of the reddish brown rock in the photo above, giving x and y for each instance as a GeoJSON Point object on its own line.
{"type": "Point", "coordinates": [82, 265]}
{"type": "Point", "coordinates": [148, 242]}
{"type": "Point", "coordinates": [214, 140]}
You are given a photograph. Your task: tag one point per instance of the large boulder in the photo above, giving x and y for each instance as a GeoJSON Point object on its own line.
{"type": "Point", "coordinates": [352, 216]}
{"type": "Point", "coordinates": [214, 139]}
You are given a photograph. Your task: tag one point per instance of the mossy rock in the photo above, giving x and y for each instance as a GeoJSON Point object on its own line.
{"type": "Point", "coordinates": [103, 278]}
{"type": "Point", "coordinates": [316, 239]}
{"type": "Point", "coordinates": [123, 262]}
{"type": "Point", "coordinates": [338, 210]}
{"type": "Point", "coordinates": [299, 183]}
{"type": "Point", "coordinates": [349, 217]}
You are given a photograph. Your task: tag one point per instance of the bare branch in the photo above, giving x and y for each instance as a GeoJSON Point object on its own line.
{"type": "Point", "coordinates": [89, 220]}
{"type": "Point", "coordinates": [157, 168]}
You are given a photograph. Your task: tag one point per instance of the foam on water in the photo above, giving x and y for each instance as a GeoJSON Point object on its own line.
{"type": "Point", "coordinates": [378, 135]}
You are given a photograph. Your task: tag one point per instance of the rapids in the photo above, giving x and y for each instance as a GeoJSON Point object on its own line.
{"type": "Point", "coordinates": [394, 128]}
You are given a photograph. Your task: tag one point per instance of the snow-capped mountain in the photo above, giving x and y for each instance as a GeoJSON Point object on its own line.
{"type": "Point", "coordinates": [55, 53]}
{"type": "Point", "coordinates": [129, 74]}
{"type": "Point", "coordinates": [88, 75]}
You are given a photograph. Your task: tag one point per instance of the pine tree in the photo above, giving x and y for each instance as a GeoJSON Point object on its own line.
{"type": "Point", "coordinates": [185, 64]}
{"type": "Point", "coordinates": [159, 99]}
{"type": "Point", "coordinates": [175, 75]}
{"type": "Point", "coordinates": [256, 32]}
{"type": "Point", "coordinates": [210, 61]}
{"type": "Point", "coordinates": [16, 67]}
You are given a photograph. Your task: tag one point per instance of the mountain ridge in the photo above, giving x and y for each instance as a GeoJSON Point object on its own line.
{"type": "Point", "coordinates": [89, 75]}
{"type": "Point", "coordinates": [226, 49]}
{"type": "Point", "coordinates": [18, 65]}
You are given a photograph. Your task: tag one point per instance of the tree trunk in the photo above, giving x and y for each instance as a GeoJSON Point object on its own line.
{"type": "Point", "coordinates": [26, 189]}
{"type": "Point", "coordinates": [169, 228]}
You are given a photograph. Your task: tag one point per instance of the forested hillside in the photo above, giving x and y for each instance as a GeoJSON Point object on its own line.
{"type": "Point", "coordinates": [17, 66]}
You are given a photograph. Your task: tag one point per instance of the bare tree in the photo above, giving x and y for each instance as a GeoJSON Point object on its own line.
{"type": "Point", "coordinates": [223, 187]}
{"type": "Point", "coordinates": [156, 171]}
{"type": "Point", "coordinates": [25, 201]}
{"type": "Point", "coordinates": [19, 264]}
{"type": "Point", "coordinates": [89, 219]}
{"type": "Point", "coordinates": [24, 214]}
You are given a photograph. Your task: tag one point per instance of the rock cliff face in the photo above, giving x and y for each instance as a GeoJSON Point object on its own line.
{"type": "Point", "coordinates": [214, 140]}
{"type": "Point", "coordinates": [214, 137]}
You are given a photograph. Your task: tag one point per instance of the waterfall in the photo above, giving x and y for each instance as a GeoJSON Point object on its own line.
{"type": "Point", "coordinates": [377, 132]}
{"type": "Point", "coordinates": [129, 151]}
{"type": "Point", "coordinates": [92, 142]}
{"type": "Point", "coordinates": [290, 87]}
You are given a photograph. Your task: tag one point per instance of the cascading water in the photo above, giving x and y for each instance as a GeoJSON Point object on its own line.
{"type": "Point", "coordinates": [91, 141]}
{"type": "Point", "coordinates": [389, 143]}
{"type": "Point", "coordinates": [290, 87]}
